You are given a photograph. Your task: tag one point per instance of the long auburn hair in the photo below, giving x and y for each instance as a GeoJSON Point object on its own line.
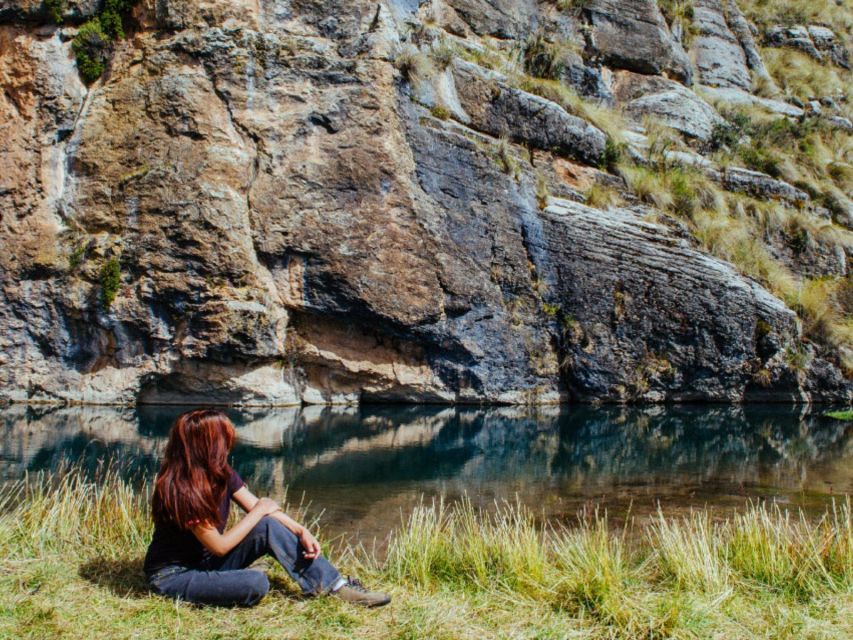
{"type": "Point", "coordinates": [195, 471]}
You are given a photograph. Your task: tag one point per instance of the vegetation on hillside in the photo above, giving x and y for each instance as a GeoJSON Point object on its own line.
{"type": "Point", "coordinates": [775, 242]}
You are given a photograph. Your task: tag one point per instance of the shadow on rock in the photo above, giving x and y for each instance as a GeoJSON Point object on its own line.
{"type": "Point", "coordinates": [123, 577]}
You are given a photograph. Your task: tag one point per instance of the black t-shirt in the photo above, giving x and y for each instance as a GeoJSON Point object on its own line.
{"type": "Point", "coordinates": [173, 545]}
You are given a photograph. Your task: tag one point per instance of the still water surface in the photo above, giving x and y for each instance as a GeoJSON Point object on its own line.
{"type": "Point", "coordinates": [365, 466]}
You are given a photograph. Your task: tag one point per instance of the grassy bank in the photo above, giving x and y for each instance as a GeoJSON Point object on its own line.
{"type": "Point", "coordinates": [71, 553]}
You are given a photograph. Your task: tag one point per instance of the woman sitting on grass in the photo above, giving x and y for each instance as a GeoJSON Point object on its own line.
{"type": "Point", "coordinates": [193, 558]}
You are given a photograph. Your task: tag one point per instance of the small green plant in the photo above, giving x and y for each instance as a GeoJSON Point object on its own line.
{"type": "Point", "coordinates": [442, 55]}
{"type": "Point", "coordinates": [723, 135]}
{"type": "Point", "coordinates": [543, 191]}
{"type": "Point", "coordinates": [613, 153]}
{"type": "Point", "coordinates": [602, 196]}
{"type": "Point", "coordinates": [550, 310]}
{"type": "Point", "coordinates": [763, 328]}
{"type": "Point", "coordinates": [110, 278]}
{"type": "Point", "coordinates": [797, 358]}
{"type": "Point", "coordinates": [574, 6]}
{"type": "Point", "coordinates": [54, 10]}
{"type": "Point", "coordinates": [797, 235]}
{"type": "Point", "coordinates": [760, 159]}
{"type": "Point", "coordinates": [137, 174]}
{"type": "Point", "coordinates": [441, 112]}
{"type": "Point", "coordinates": [763, 378]}
{"type": "Point", "coordinates": [680, 12]}
{"type": "Point", "coordinates": [75, 259]}
{"type": "Point", "coordinates": [542, 58]}
{"type": "Point", "coordinates": [505, 158]}
{"type": "Point", "coordinates": [413, 64]}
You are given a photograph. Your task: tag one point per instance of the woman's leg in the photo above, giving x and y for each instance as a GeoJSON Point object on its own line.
{"type": "Point", "coordinates": [271, 537]}
{"type": "Point", "coordinates": [221, 588]}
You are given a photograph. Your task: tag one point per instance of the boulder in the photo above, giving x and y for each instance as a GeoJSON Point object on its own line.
{"type": "Point", "coordinates": [591, 82]}
{"type": "Point", "coordinates": [716, 51]}
{"type": "Point", "coordinates": [743, 31]}
{"type": "Point", "coordinates": [668, 102]}
{"type": "Point", "coordinates": [795, 37]}
{"type": "Point", "coordinates": [633, 35]}
{"type": "Point", "coordinates": [737, 97]}
{"type": "Point", "coordinates": [513, 19]}
{"type": "Point", "coordinates": [496, 108]}
{"type": "Point", "coordinates": [758, 185]}
{"type": "Point", "coordinates": [828, 43]}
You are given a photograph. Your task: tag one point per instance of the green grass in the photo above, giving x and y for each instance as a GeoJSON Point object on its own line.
{"type": "Point", "coordinates": [71, 553]}
{"type": "Point", "coordinates": [841, 415]}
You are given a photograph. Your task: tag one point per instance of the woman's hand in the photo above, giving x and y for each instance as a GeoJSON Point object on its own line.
{"type": "Point", "coordinates": [266, 506]}
{"type": "Point", "coordinates": [309, 544]}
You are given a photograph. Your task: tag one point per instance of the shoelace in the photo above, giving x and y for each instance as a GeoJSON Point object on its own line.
{"type": "Point", "coordinates": [356, 584]}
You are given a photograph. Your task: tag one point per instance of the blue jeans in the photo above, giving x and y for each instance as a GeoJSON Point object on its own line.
{"type": "Point", "coordinates": [225, 581]}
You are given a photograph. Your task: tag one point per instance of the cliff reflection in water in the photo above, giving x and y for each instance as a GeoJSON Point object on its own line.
{"type": "Point", "coordinates": [362, 465]}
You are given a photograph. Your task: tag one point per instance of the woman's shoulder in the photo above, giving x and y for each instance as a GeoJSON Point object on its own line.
{"type": "Point", "coordinates": [235, 482]}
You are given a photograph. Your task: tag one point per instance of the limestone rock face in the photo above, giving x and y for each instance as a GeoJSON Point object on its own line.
{"type": "Point", "coordinates": [612, 339]}
{"type": "Point", "coordinates": [292, 221]}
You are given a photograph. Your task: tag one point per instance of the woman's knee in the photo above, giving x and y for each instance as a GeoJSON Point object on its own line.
{"type": "Point", "coordinates": [258, 585]}
{"type": "Point", "coordinates": [269, 526]}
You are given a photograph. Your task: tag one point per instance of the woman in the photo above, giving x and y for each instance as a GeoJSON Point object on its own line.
{"type": "Point", "coordinates": [193, 558]}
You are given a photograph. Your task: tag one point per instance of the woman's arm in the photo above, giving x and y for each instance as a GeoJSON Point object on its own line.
{"type": "Point", "coordinates": [221, 543]}
{"type": "Point", "coordinates": [247, 501]}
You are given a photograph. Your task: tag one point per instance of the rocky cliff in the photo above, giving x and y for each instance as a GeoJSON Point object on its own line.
{"type": "Point", "coordinates": [292, 201]}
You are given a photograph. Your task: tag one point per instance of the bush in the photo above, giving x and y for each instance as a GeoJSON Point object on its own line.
{"type": "Point", "coordinates": [762, 160]}
{"type": "Point", "coordinates": [54, 10]}
{"type": "Point", "coordinates": [76, 257]}
{"type": "Point", "coordinates": [542, 58]}
{"type": "Point", "coordinates": [613, 152]}
{"type": "Point", "coordinates": [723, 135]}
{"type": "Point", "coordinates": [112, 17]}
{"type": "Point", "coordinates": [440, 112]}
{"type": "Point", "coordinates": [684, 198]}
{"type": "Point", "coordinates": [110, 281]}
{"type": "Point", "coordinates": [413, 64]}
{"type": "Point", "coordinates": [91, 48]}
{"type": "Point", "coordinates": [93, 43]}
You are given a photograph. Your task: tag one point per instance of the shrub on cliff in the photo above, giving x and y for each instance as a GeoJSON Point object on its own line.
{"type": "Point", "coordinates": [93, 43]}
{"type": "Point", "coordinates": [111, 17]}
{"type": "Point", "coordinates": [54, 10]}
{"type": "Point", "coordinates": [110, 281]}
{"type": "Point", "coordinates": [91, 48]}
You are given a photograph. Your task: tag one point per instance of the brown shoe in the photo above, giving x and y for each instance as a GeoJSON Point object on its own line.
{"type": "Point", "coordinates": [355, 593]}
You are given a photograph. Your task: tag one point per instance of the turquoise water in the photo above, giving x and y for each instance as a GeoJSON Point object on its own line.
{"type": "Point", "coordinates": [363, 467]}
